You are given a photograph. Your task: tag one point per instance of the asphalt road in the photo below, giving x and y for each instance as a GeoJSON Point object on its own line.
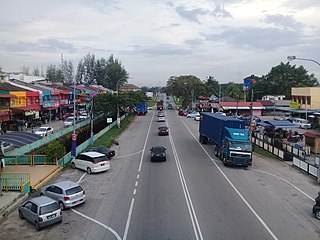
{"type": "Point", "coordinates": [190, 196]}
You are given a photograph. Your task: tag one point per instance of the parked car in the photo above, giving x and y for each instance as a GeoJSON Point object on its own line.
{"type": "Point", "coordinates": [67, 193]}
{"type": "Point", "coordinates": [158, 153]}
{"type": "Point", "coordinates": [197, 117]}
{"type": "Point", "coordinates": [161, 119]}
{"type": "Point", "coordinates": [92, 162]}
{"type": "Point", "coordinates": [302, 123]}
{"type": "Point", "coordinates": [316, 207]}
{"type": "Point", "coordinates": [193, 114]}
{"type": "Point", "coordinates": [41, 211]}
{"type": "Point", "coordinates": [83, 116]}
{"type": "Point", "coordinates": [44, 131]}
{"type": "Point", "coordinates": [69, 121]}
{"type": "Point", "coordinates": [108, 152]}
{"type": "Point", "coordinates": [163, 130]}
{"type": "Point", "coordinates": [64, 116]}
{"type": "Point", "coordinates": [182, 112]}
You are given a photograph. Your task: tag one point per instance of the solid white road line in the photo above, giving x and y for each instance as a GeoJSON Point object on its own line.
{"type": "Point", "coordinates": [192, 213]}
{"type": "Point", "coordinates": [99, 223]}
{"type": "Point", "coordinates": [234, 188]}
{"type": "Point", "coordinates": [128, 220]}
{"type": "Point", "coordinates": [81, 177]}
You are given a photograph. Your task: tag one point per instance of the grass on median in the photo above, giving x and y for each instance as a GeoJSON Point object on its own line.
{"type": "Point", "coordinates": [262, 152]}
{"type": "Point", "coordinates": [108, 138]}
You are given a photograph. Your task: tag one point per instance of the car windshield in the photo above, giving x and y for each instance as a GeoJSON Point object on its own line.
{"type": "Point", "coordinates": [158, 150]}
{"type": "Point", "coordinates": [49, 208]}
{"type": "Point", "coordinates": [74, 190]}
{"type": "Point", "coordinates": [42, 129]}
{"type": "Point", "coordinates": [69, 119]}
{"type": "Point", "coordinates": [240, 146]}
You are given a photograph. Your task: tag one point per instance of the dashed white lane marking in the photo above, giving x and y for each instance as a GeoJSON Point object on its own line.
{"type": "Point", "coordinates": [136, 184]}
{"type": "Point", "coordinates": [134, 191]}
{"type": "Point", "coordinates": [99, 223]}
{"type": "Point", "coordinates": [125, 234]}
{"type": "Point", "coordinates": [234, 188]}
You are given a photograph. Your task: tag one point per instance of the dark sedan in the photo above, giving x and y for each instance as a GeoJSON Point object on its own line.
{"type": "Point", "coordinates": [108, 152]}
{"type": "Point", "coordinates": [163, 130]}
{"type": "Point", "coordinates": [158, 153]}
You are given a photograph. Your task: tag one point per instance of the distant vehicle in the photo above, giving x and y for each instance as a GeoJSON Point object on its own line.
{"type": "Point", "coordinates": [69, 121]}
{"type": "Point", "coordinates": [163, 130]}
{"type": "Point", "coordinates": [84, 116]}
{"type": "Point", "coordinates": [161, 119]}
{"type": "Point", "coordinates": [142, 108]}
{"type": "Point", "coordinates": [150, 108]}
{"type": "Point", "coordinates": [91, 162]}
{"type": "Point", "coordinates": [302, 123]}
{"type": "Point", "coordinates": [41, 211]}
{"type": "Point", "coordinates": [158, 153]}
{"type": "Point", "coordinates": [169, 106]}
{"type": "Point", "coordinates": [160, 114]}
{"type": "Point", "coordinates": [193, 114]}
{"type": "Point", "coordinates": [108, 152]}
{"type": "Point", "coordinates": [232, 144]}
{"type": "Point", "coordinates": [160, 105]}
{"type": "Point", "coordinates": [197, 117]}
{"type": "Point", "coordinates": [182, 112]}
{"type": "Point", "coordinates": [44, 131]}
{"type": "Point", "coordinates": [67, 193]}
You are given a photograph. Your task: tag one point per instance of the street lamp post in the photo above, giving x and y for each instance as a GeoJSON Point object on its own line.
{"type": "Point", "coordinates": [291, 58]}
{"type": "Point", "coordinates": [118, 113]}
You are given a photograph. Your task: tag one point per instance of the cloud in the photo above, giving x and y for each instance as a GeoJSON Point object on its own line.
{"type": "Point", "coordinates": [161, 50]}
{"type": "Point", "coordinates": [283, 21]}
{"type": "Point", "coordinates": [41, 45]}
{"type": "Point", "coordinates": [256, 38]}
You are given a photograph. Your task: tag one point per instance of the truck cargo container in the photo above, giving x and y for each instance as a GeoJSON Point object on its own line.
{"type": "Point", "coordinates": [142, 108]}
{"type": "Point", "coordinates": [228, 134]}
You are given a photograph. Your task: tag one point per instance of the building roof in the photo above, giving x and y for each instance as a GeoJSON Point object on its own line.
{"type": "Point", "coordinates": [11, 88]}
{"type": "Point", "coordinates": [241, 105]}
{"type": "Point", "coordinates": [129, 86]}
{"type": "Point", "coordinates": [266, 102]}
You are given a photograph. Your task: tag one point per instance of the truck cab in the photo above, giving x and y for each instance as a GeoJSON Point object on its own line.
{"type": "Point", "coordinates": [236, 147]}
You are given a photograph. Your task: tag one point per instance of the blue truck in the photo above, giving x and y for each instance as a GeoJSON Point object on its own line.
{"type": "Point", "coordinates": [142, 108]}
{"type": "Point", "coordinates": [228, 134]}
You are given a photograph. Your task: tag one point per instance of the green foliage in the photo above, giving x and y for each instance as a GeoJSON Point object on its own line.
{"type": "Point", "coordinates": [234, 91]}
{"type": "Point", "coordinates": [116, 74]}
{"type": "Point", "coordinates": [282, 78]}
{"type": "Point", "coordinates": [54, 74]}
{"type": "Point", "coordinates": [53, 150]}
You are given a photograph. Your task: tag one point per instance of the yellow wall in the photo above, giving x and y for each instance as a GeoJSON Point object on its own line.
{"type": "Point", "coordinates": [313, 92]}
{"type": "Point", "coordinates": [20, 100]}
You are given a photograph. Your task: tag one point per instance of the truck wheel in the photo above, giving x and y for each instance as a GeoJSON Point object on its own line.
{"type": "Point", "coordinates": [224, 160]}
{"type": "Point", "coordinates": [216, 151]}
{"type": "Point", "coordinates": [200, 139]}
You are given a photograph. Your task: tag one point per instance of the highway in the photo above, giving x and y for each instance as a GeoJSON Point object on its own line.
{"type": "Point", "coordinates": [190, 196]}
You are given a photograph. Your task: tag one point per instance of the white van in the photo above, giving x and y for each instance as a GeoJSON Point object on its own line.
{"type": "Point", "coordinates": [91, 162]}
{"type": "Point", "coordinates": [303, 123]}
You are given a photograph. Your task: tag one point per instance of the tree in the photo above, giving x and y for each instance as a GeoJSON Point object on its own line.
{"type": "Point", "coordinates": [86, 70]}
{"type": "Point", "coordinates": [212, 86]}
{"type": "Point", "coordinates": [116, 74]}
{"type": "Point", "coordinates": [282, 78]}
{"type": "Point", "coordinates": [67, 72]}
{"type": "Point", "coordinates": [54, 74]}
{"type": "Point", "coordinates": [36, 71]}
{"type": "Point", "coordinates": [234, 90]}
{"type": "Point", "coordinates": [25, 70]}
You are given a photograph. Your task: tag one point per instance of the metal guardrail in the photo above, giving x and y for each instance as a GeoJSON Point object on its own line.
{"type": "Point", "coordinates": [16, 181]}
{"type": "Point", "coordinates": [288, 152]}
{"type": "Point", "coordinates": [29, 160]}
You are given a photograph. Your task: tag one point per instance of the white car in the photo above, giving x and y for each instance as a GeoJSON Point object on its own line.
{"type": "Point", "coordinates": [91, 162]}
{"type": "Point", "coordinates": [197, 117]}
{"type": "Point", "coordinates": [161, 119]}
{"type": "Point", "coordinates": [193, 114]}
{"type": "Point", "coordinates": [68, 122]}
{"type": "Point", "coordinates": [302, 123]}
{"type": "Point", "coordinates": [83, 116]}
{"type": "Point", "coordinates": [44, 131]}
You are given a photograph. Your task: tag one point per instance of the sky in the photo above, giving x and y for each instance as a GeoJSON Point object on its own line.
{"type": "Point", "coordinates": [155, 39]}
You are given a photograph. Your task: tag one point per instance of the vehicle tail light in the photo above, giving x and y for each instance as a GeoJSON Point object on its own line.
{"type": "Point", "coordinates": [40, 219]}
{"type": "Point", "coordinates": [66, 198]}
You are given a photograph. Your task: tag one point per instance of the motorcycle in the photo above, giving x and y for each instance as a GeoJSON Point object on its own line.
{"type": "Point", "coordinates": [316, 207]}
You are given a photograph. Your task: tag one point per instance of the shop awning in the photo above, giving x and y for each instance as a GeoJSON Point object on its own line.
{"type": "Point", "coordinates": [7, 96]}
{"type": "Point", "coordinates": [278, 124]}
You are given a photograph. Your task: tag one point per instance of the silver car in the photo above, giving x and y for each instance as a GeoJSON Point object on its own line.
{"type": "Point", "coordinates": [67, 193]}
{"type": "Point", "coordinates": [41, 211]}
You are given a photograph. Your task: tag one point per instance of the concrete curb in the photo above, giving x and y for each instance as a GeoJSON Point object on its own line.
{"type": "Point", "coordinates": [44, 180]}
{"type": "Point", "coordinates": [12, 205]}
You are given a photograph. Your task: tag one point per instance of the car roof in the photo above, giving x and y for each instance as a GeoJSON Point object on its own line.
{"type": "Point", "coordinates": [42, 200]}
{"type": "Point", "coordinates": [93, 154]}
{"type": "Point", "coordinates": [66, 184]}
{"type": "Point", "coordinates": [158, 147]}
